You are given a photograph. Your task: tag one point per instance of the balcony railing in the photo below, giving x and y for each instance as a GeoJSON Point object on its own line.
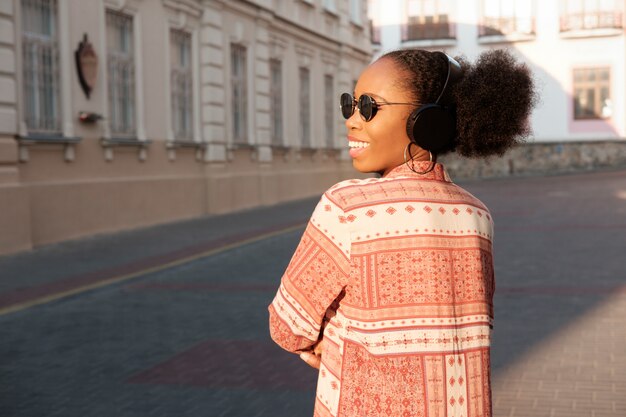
{"type": "Point", "coordinates": [502, 26]}
{"type": "Point", "coordinates": [592, 20]}
{"type": "Point", "coordinates": [428, 30]}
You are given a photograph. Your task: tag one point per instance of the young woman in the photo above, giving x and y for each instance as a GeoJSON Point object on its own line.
{"type": "Point", "coordinates": [389, 292]}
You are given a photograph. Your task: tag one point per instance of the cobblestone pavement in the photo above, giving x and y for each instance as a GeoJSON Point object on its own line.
{"type": "Point", "coordinates": [172, 320]}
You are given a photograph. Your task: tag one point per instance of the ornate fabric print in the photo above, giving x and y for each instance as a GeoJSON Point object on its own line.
{"type": "Point", "coordinates": [411, 256]}
{"type": "Point", "coordinates": [382, 385]}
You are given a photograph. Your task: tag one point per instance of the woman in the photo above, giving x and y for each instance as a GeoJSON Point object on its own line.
{"type": "Point", "coordinates": [389, 292]}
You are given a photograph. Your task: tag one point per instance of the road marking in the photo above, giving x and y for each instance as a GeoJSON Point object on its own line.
{"type": "Point", "coordinates": [125, 277]}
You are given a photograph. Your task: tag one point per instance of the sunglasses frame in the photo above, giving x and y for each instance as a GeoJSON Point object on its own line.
{"type": "Point", "coordinates": [360, 105]}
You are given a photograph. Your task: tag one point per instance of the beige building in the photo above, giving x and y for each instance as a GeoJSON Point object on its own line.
{"type": "Point", "coordinates": [207, 106]}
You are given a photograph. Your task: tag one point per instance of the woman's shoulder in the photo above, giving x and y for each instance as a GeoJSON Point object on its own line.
{"type": "Point", "coordinates": [344, 192]}
{"type": "Point", "coordinates": [352, 193]}
{"type": "Point", "coordinates": [358, 193]}
{"type": "Point", "coordinates": [351, 183]}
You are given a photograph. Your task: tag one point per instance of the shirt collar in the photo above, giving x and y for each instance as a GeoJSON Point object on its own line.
{"type": "Point", "coordinates": [438, 173]}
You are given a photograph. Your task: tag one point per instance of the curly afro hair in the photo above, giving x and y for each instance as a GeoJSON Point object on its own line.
{"type": "Point", "coordinates": [493, 98]}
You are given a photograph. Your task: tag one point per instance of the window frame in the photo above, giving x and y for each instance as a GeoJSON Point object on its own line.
{"type": "Point", "coordinates": [305, 107]}
{"type": "Point", "coordinates": [329, 111]}
{"type": "Point", "coordinates": [239, 102]}
{"type": "Point", "coordinates": [409, 27]}
{"type": "Point", "coordinates": [596, 85]}
{"type": "Point", "coordinates": [276, 102]}
{"type": "Point", "coordinates": [356, 12]}
{"type": "Point", "coordinates": [484, 26]}
{"type": "Point", "coordinates": [616, 15]}
{"type": "Point", "coordinates": [127, 87]}
{"type": "Point", "coordinates": [54, 124]}
{"type": "Point", "coordinates": [182, 103]}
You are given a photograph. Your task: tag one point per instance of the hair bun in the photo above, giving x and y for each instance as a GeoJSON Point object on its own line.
{"type": "Point", "coordinates": [494, 100]}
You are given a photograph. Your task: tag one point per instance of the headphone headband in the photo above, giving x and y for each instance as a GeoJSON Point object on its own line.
{"type": "Point", "coordinates": [454, 73]}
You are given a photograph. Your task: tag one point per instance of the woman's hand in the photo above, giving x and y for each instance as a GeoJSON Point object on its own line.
{"type": "Point", "coordinates": [313, 357]}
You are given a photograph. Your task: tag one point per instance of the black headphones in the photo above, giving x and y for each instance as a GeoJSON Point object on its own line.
{"type": "Point", "coordinates": [433, 126]}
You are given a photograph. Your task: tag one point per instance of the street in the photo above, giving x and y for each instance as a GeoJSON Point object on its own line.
{"type": "Point", "coordinates": [172, 320]}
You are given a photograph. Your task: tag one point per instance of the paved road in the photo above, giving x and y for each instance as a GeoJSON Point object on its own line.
{"type": "Point", "coordinates": [171, 321]}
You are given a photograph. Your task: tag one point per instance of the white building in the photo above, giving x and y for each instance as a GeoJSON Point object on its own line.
{"type": "Point", "coordinates": [576, 48]}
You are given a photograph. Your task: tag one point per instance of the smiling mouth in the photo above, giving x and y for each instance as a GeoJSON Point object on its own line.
{"type": "Point", "coordinates": [357, 144]}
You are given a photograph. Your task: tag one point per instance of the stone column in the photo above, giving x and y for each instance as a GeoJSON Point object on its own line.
{"type": "Point", "coordinates": [212, 80]}
{"type": "Point", "coordinates": [262, 87]}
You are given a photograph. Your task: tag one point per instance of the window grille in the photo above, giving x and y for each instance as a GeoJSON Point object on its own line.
{"type": "Point", "coordinates": [239, 90]}
{"type": "Point", "coordinates": [329, 110]}
{"type": "Point", "coordinates": [507, 17]}
{"type": "Point", "coordinates": [592, 93]}
{"type": "Point", "coordinates": [121, 74]}
{"type": "Point", "coordinates": [181, 85]}
{"type": "Point", "coordinates": [591, 14]}
{"type": "Point", "coordinates": [276, 101]}
{"type": "Point", "coordinates": [40, 49]}
{"type": "Point", "coordinates": [305, 108]}
{"type": "Point", "coordinates": [427, 19]}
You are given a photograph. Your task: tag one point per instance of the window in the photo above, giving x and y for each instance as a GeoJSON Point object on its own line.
{"type": "Point", "coordinates": [373, 10]}
{"type": "Point", "coordinates": [374, 33]}
{"type": "Point", "coordinates": [592, 93]}
{"type": "Point", "coordinates": [121, 74]}
{"type": "Point", "coordinates": [276, 101]}
{"type": "Point", "coordinates": [330, 5]}
{"type": "Point", "coordinates": [427, 19]}
{"type": "Point", "coordinates": [239, 89]}
{"type": "Point", "coordinates": [41, 66]}
{"type": "Point", "coordinates": [355, 11]}
{"type": "Point", "coordinates": [507, 17]}
{"type": "Point", "coordinates": [181, 85]}
{"type": "Point", "coordinates": [305, 108]}
{"type": "Point", "coordinates": [329, 110]}
{"type": "Point", "coordinates": [591, 14]}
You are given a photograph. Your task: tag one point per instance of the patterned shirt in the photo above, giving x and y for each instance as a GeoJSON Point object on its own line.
{"type": "Point", "coordinates": [405, 263]}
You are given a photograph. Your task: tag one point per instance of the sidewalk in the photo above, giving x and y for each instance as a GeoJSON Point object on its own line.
{"type": "Point", "coordinates": [578, 371]}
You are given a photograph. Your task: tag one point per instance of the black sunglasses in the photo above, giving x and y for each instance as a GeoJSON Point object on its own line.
{"type": "Point", "coordinates": [366, 104]}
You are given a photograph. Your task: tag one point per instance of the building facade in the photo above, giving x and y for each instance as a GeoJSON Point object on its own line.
{"type": "Point", "coordinates": [123, 113]}
{"type": "Point", "coordinates": [575, 48]}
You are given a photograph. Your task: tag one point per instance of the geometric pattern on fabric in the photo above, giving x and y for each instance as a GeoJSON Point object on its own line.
{"type": "Point", "coordinates": [390, 386]}
{"type": "Point", "coordinates": [396, 275]}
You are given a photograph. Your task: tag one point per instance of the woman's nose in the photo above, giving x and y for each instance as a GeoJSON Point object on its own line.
{"type": "Point", "coordinates": [354, 121]}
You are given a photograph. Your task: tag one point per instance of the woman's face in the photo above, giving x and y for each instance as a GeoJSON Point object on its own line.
{"type": "Point", "coordinates": [385, 134]}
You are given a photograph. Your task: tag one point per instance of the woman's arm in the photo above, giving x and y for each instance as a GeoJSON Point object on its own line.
{"type": "Point", "coordinates": [315, 277]}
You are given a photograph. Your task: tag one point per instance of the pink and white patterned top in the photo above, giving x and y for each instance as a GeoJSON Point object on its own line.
{"type": "Point", "coordinates": [411, 255]}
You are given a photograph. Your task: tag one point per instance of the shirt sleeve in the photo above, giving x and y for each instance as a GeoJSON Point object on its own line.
{"type": "Point", "coordinates": [316, 275]}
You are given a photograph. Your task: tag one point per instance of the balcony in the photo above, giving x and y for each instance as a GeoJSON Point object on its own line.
{"type": "Point", "coordinates": [427, 28]}
{"type": "Point", "coordinates": [506, 26]}
{"type": "Point", "coordinates": [585, 21]}
{"type": "Point", "coordinates": [506, 29]}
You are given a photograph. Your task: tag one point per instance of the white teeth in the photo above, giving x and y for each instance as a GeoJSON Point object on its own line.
{"type": "Point", "coordinates": [357, 144]}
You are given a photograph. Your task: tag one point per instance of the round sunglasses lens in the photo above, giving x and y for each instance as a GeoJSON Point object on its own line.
{"type": "Point", "coordinates": [365, 107]}
{"type": "Point", "coordinates": [347, 105]}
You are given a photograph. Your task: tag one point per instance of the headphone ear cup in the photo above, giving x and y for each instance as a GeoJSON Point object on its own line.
{"type": "Point", "coordinates": [410, 124]}
{"type": "Point", "coordinates": [432, 127]}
